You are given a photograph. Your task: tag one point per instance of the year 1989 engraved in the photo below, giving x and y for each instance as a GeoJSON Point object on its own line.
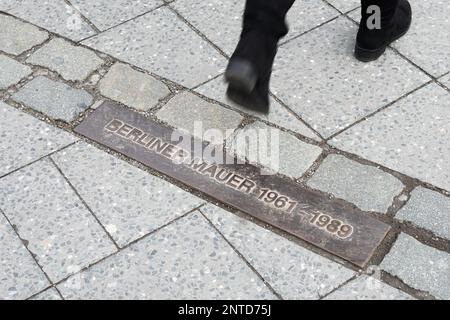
{"type": "Point", "coordinates": [278, 200]}
{"type": "Point", "coordinates": [333, 226]}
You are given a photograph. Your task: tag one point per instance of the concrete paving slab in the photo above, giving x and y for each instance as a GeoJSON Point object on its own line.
{"type": "Point", "coordinates": [165, 45]}
{"type": "Point", "coordinates": [224, 23]}
{"type": "Point", "coordinates": [25, 139]}
{"type": "Point", "coordinates": [368, 288]}
{"type": "Point", "coordinates": [411, 137]}
{"type": "Point", "coordinates": [345, 5]}
{"type": "Point", "coordinates": [105, 14]}
{"type": "Point", "coordinates": [317, 76]}
{"type": "Point", "coordinates": [56, 16]}
{"type": "Point", "coordinates": [60, 231]}
{"type": "Point", "coordinates": [20, 276]}
{"type": "Point", "coordinates": [293, 271]}
{"type": "Point", "coordinates": [186, 260]}
{"type": "Point", "coordinates": [128, 201]}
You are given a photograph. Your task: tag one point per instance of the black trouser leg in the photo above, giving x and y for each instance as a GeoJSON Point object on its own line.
{"type": "Point", "coordinates": [250, 67]}
{"type": "Point", "coordinates": [267, 16]}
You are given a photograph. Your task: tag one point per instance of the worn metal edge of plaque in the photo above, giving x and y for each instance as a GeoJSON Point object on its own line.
{"type": "Point", "coordinates": [329, 224]}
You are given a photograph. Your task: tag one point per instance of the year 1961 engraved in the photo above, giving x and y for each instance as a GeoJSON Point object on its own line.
{"type": "Point", "coordinates": [333, 226]}
{"type": "Point", "coordinates": [279, 201]}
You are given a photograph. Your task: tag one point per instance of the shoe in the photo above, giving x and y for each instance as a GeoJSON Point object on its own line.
{"type": "Point", "coordinates": [249, 70]}
{"type": "Point", "coordinates": [255, 100]}
{"type": "Point", "coordinates": [371, 44]}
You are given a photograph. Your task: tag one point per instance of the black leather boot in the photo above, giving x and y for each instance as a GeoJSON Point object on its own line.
{"type": "Point", "coordinates": [249, 70]}
{"type": "Point", "coordinates": [371, 42]}
{"type": "Point", "coordinates": [250, 67]}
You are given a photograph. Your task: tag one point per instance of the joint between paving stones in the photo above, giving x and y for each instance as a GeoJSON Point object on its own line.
{"type": "Point", "coordinates": [399, 284]}
{"type": "Point", "coordinates": [165, 4]}
{"type": "Point", "coordinates": [44, 290]}
{"type": "Point", "coordinates": [298, 117]}
{"type": "Point", "coordinates": [241, 256]}
{"type": "Point", "coordinates": [83, 201]}
{"type": "Point", "coordinates": [322, 297]}
{"type": "Point", "coordinates": [370, 115]}
{"type": "Point", "coordinates": [83, 17]}
{"type": "Point", "coordinates": [282, 43]}
{"type": "Point", "coordinates": [25, 244]}
{"type": "Point", "coordinates": [37, 160]}
{"type": "Point", "coordinates": [300, 242]}
{"type": "Point", "coordinates": [128, 245]}
{"type": "Point", "coordinates": [198, 32]}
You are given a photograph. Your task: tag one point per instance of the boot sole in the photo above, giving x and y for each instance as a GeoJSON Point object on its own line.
{"type": "Point", "coordinates": [367, 55]}
{"type": "Point", "coordinates": [241, 75]}
{"type": "Point", "coordinates": [247, 100]}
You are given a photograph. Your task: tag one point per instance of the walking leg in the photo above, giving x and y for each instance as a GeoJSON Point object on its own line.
{"type": "Point", "coordinates": [249, 70]}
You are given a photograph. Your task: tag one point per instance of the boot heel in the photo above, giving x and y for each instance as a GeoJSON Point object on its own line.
{"type": "Point", "coordinates": [241, 75]}
{"type": "Point", "coordinates": [366, 55]}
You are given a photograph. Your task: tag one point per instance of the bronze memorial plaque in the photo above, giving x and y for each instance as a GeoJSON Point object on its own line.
{"type": "Point", "coordinates": [329, 224]}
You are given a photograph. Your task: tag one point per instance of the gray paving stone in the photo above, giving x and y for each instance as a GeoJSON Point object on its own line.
{"type": "Point", "coordinates": [24, 139]}
{"type": "Point", "coordinates": [345, 5]}
{"type": "Point", "coordinates": [56, 16]}
{"type": "Point", "coordinates": [105, 14]}
{"type": "Point", "coordinates": [446, 81]}
{"type": "Point", "coordinates": [292, 156]}
{"type": "Point", "coordinates": [224, 22]}
{"type": "Point", "coordinates": [20, 276]}
{"type": "Point", "coordinates": [195, 115]}
{"type": "Point", "coordinates": [71, 62]}
{"type": "Point", "coordinates": [186, 260]}
{"type": "Point", "coordinates": [12, 71]}
{"type": "Point", "coordinates": [278, 114]}
{"type": "Point", "coordinates": [55, 99]}
{"type": "Point", "coordinates": [132, 88]}
{"type": "Point", "coordinates": [59, 229]}
{"type": "Point", "coordinates": [129, 202]}
{"type": "Point", "coordinates": [419, 266]}
{"type": "Point", "coordinates": [294, 272]}
{"type": "Point", "coordinates": [421, 44]}
{"type": "Point", "coordinates": [6, 5]}
{"type": "Point", "coordinates": [368, 288]}
{"type": "Point", "coordinates": [47, 295]}
{"type": "Point", "coordinates": [317, 76]}
{"type": "Point", "coordinates": [429, 210]}
{"type": "Point", "coordinates": [410, 136]}
{"type": "Point", "coordinates": [369, 188]}
{"type": "Point", "coordinates": [17, 36]}
{"type": "Point", "coordinates": [163, 44]}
